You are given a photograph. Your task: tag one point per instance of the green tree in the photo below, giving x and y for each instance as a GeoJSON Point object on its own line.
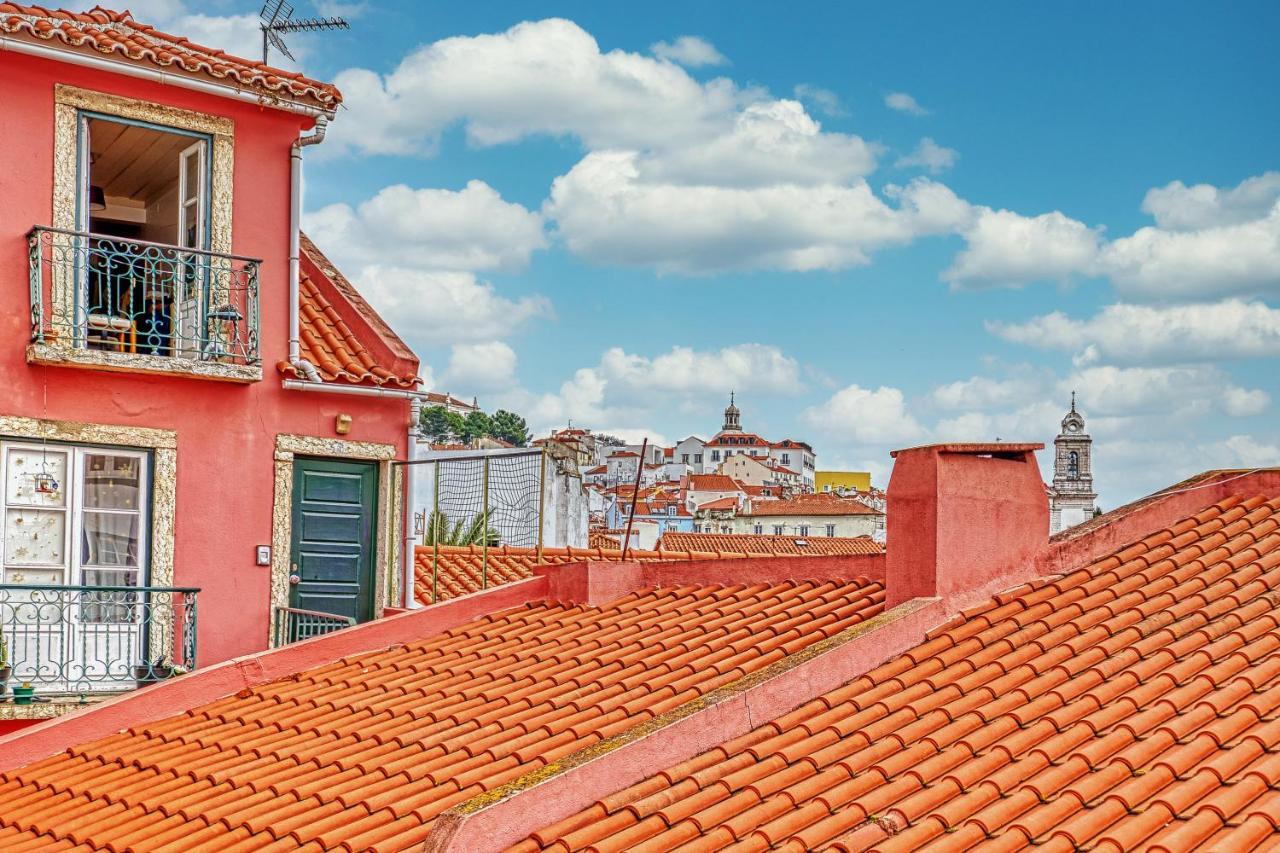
{"type": "Point", "coordinates": [475, 425]}
{"type": "Point", "coordinates": [434, 422]}
{"type": "Point", "coordinates": [457, 426]}
{"type": "Point", "coordinates": [510, 427]}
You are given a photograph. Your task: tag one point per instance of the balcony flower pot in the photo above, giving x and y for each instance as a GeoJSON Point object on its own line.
{"type": "Point", "coordinates": [23, 694]}
{"type": "Point", "coordinates": [154, 673]}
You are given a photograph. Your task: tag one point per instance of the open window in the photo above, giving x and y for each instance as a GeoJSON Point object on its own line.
{"type": "Point", "coordinates": [144, 198]}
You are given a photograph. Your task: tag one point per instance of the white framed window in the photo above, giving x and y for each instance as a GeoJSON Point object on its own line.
{"type": "Point", "coordinates": [777, 530]}
{"type": "Point", "coordinates": [74, 515]}
{"type": "Point", "coordinates": [831, 530]}
{"type": "Point", "coordinates": [804, 530]}
{"type": "Point", "coordinates": [758, 529]}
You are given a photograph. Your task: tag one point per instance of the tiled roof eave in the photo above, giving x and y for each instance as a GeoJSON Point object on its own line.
{"type": "Point", "coordinates": [116, 37]}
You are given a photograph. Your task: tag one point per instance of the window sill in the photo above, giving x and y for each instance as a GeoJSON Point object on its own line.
{"type": "Point", "coordinates": [58, 356]}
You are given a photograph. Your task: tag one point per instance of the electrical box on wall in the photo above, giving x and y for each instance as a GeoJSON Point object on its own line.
{"type": "Point", "coordinates": [264, 555]}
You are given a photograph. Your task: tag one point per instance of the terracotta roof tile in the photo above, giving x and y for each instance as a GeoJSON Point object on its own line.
{"type": "Point", "coordinates": [735, 543]}
{"type": "Point", "coordinates": [118, 36]}
{"type": "Point", "coordinates": [712, 483]}
{"type": "Point", "coordinates": [370, 353]}
{"type": "Point", "coordinates": [1131, 704]}
{"type": "Point", "coordinates": [602, 540]}
{"type": "Point", "coordinates": [819, 504]}
{"type": "Point", "coordinates": [463, 569]}
{"type": "Point", "coordinates": [365, 752]}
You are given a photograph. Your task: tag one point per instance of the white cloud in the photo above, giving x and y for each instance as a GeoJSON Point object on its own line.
{"type": "Point", "coordinates": [1245, 450]}
{"type": "Point", "coordinates": [1191, 390]}
{"type": "Point", "coordinates": [691, 51]}
{"type": "Point", "coordinates": [482, 366]}
{"type": "Point", "coordinates": [1204, 245]}
{"type": "Point", "coordinates": [984, 392]}
{"type": "Point", "coordinates": [904, 103]}
{"type": "Point", "coordinates": [1034, 421]}
{"type": "Point", "coordinates": [770, 143]}
{"type": "Point", "coordinates": [539, 77]}
{"type": "Point", "coordinates": [1238, 258]}
{"type": "Point", "coordinates": [607, 212]}
{"type": "Point", "coordinates": [1143, 333]}
{"type": "Point", "coordinates": [929, 155]}
{"type": "Point", "coordinates": [1007, 249]}
{"type": "Point", "coordinates": [1178, 207]}
{"type": "Point", "coordinates": [753, 367]}
{"type": "Point", "coordinates": [631, 391]}
{"type": "Point", "coordinates": [1244, 402]}
{"type": "Point", "coordinates": [857, 414]}
{"type": "Point", "coordinates": [471, 229]}
{"type": "Point", "coordinates": [825, 100]}
{"type": "Point", "coordinates": [434, 308]}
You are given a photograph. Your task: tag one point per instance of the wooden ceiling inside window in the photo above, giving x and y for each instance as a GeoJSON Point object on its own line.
{"type": "Point", "coordinates": [134, 162]}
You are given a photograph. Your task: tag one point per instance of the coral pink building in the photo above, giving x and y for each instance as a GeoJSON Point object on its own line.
{"type": "Point", "coordinates": [158, 430]}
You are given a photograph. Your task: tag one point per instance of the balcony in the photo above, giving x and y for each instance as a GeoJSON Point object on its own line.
{"type": "Point", "coordinates": [66, 645]}
{"type": "Point", "coordinates": [111, 303]}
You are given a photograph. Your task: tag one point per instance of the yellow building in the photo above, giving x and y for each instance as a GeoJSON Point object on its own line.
{"type": "Point", "coordinates": [829, 481]}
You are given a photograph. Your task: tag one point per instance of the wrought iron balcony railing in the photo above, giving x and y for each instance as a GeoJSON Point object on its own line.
{"type": "Point", "coordinates": [293, 624]}
{"type": "Point", "coordinates": [99, 292]}
{"type": "Point", "coordinates": [91, 639]}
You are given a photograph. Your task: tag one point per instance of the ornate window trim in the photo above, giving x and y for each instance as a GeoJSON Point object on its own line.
{"type": "Point", "coordinates": [68, 102]}
{"type": "Point", "coordinates": [163, 444]}
{"type": "Point", "coordinates": [386, 525]}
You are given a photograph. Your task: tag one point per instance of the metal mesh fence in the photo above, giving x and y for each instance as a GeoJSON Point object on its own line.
{"type": "Point", "coordinates": [483, 499]}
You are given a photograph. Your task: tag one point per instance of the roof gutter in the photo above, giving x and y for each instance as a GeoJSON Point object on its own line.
{"type": "Point", "coordinates": [155, 75]}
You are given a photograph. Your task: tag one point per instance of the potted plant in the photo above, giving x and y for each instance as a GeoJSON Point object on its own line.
{"type": "Point", "coordinates": [156, 671]}
{"type": "Point", "coordinates": [24, 694]}
{"type": "Point", "coordinates": [6, 669]}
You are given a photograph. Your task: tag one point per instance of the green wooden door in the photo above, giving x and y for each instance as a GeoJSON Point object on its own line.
{"type": "Point", "coordinates": [332, 556]}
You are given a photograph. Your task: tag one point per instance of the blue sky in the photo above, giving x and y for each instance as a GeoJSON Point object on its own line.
{"type": "Point", "coordinates": [581, 211]}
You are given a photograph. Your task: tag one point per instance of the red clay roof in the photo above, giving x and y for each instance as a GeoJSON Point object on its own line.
{"type": "Point", "coordinates": [720, 503]}
{"type": "Point", "coordinates": [1133, 704]}
{"type": "Point", "coordinates": [463, 569]}
{"type": "Point", "coordinates": [597, 539]}
{"type": "Point", "coordinates": [365, 753]}
{"type": "Point", "coordinates": [736, 543]}
{"type": "Point", "coordinates": [362, 351]}
{"type": "Point", "coordinates": [817, 504]}
{"type": "Point", "coordinates": [117, 36]}
{"type": "Point", "coordinates": [712, 483]}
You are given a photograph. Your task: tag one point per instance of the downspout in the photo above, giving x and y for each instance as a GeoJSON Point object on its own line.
{"type": "Point", "coordinates": [303, 367]}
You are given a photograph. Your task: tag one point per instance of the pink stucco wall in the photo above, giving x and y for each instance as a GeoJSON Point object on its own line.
{"type": "Point", "coordinates": [960, 514]}
{"type": "Point", "coordinates": [226, 432]}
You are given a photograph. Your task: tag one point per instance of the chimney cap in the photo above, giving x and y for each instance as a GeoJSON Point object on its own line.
{"type": "Point", "coordinates": [974, 448]}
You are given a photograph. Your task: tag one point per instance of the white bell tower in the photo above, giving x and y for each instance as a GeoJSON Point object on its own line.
{"type": "Point", "coordinates": [1072, 498]}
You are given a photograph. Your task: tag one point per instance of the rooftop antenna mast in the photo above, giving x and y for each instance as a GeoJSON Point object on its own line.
{"type": "Point", "coordinates": [277, 18]}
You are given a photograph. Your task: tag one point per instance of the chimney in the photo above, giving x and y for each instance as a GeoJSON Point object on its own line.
{"type": "Point", "coordinates": [960, 516]}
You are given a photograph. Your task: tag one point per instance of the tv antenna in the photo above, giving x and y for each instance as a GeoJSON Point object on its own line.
{"type": "Point", "coordinates": [277, 17]}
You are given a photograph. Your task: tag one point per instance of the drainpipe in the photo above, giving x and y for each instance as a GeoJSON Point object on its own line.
{"type": "Point", "coordinates": [407, 545]}
{"type": "Point", "coordinates": [303, 367]}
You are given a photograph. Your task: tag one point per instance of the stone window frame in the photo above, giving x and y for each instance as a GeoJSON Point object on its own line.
{"type": "Point", "coordinates": [386, 524]}
{"type": "Point", "coordinates": [69, 101]}
{"type": "Point", "coordinates": [163, 446]}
